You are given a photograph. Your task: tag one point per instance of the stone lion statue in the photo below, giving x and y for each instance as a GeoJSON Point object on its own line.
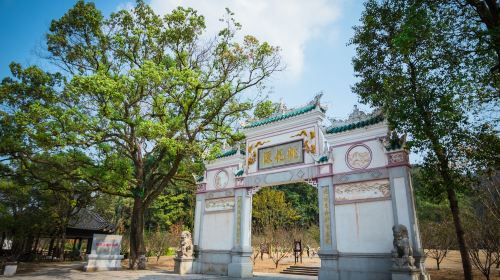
{"type": "Point", "coordinates": [186, 246]}
{"type": "Point", "coordinates": [402, 254]}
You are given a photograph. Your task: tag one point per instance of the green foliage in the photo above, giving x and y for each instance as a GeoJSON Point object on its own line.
{"type": "Point", "coordinates": [265, 109]}
{"type": "Point", "coordinates": [271, 210]}
{"type": "Point", "coordinates": [417, 60]}
{"type": "Point", "coordinates": [142, 98]}
{"type": "Point", "coordinates": [304, 199]}
{"type": "Point", "coordinates": [413, 63]}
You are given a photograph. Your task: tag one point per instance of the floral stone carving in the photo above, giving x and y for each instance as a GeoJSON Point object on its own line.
{"type": "Point", "coordinates": [362, 190]}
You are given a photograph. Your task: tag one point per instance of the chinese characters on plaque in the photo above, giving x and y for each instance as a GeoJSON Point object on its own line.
{"type": "Point", "coordinates": [279, 155]}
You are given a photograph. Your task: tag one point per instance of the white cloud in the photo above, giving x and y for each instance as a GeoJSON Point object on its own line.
{"type": "Point", "coordinates": [129, 6]}
{"type": "Point", "coordinates": [290, 24]}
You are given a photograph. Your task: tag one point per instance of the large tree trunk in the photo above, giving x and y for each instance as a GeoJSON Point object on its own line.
{"type": "Point", "coordinates": [51, 248]}
{"type": "Point", "coordinates": [62, 245]}
{"type": "Point", "coordinates": [445, 173]}
{"type": "Point", "coordinates": [2, 240]}
{"type": "Point", "coordinates": [455, 211]}
{"type": "Point", "coordinates": [35, 247]}
{"type": "Point", "coordinates": [137, 249]}
{"type": "Point", "coordinates": [459, 230]}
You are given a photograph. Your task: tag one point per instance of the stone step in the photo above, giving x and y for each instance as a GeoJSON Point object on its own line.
{"type": "Point", "coordinates": [303, 267]}
{"type": "Point", "coordinates": [302, 270]}
{"type": "Point", "coordinates": [300, 273]}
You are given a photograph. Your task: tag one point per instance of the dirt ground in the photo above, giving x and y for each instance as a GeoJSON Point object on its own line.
{"type": "Point", "coordinates": [451, 267]}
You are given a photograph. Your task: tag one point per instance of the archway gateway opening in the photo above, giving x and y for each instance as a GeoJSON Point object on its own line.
{"type": "Point", "coordinates": [285, 227]}
{"type": "Point", "coordinates": [364, 191]}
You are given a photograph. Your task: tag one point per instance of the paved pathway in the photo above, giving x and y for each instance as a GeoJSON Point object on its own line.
{"type": "Point", "coordinates": [73, 272]}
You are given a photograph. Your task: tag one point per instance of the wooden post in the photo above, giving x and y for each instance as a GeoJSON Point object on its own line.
{"type": "Point", "coordinates": [89, 246]}
{"type": "Point", "coordinates": [2, 241]}
{"type": "Point", "coordinates": [79, 246]}
{"type": "Point", "coordinates": [51, 247]}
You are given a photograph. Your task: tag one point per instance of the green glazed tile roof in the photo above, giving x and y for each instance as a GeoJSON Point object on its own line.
{"type": "Point", "coordinates": [230, 153]}
{"type": "Point", "coordinates": [239, 173]}
{"type": "Point", "coordinates": [323, 159]}
{"type": "Point", "coordinates": [363, 123]}
{"type": "Point", "coordinates": [292, 113]}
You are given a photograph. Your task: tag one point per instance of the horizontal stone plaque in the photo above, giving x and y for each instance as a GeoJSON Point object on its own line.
{"type": "Point", "coordinates": [281, 155]}
{"type": "Point", "coordinates": [219, 204]}
{"type": "Point", "coordinates": [362, 190]}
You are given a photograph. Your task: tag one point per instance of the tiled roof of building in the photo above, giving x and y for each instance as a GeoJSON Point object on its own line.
{"type": "Point", "coordinates": [357, 119]}
{"type": "Point", "coordinates": [279, 117]}
{"type": "Point", "coordinates": [285, 114]}
{"type": "Point", "coordinates": [230, 153]}
{"type": "Point", "coordinates": [85, 219]}
{"type": "Point", "coordinates": [239, 172]}
{"type": "Point", "coordinates": [351, 126]}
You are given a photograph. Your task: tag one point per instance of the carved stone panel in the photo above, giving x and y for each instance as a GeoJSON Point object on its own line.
{"type": "Point", "coordinates": [221, 179]}
{"type": "Point", "coordinates": [219, 204]}
{"type": "Point", "coordinates": [238, 221]}
{"type": "Point", "coordinates": [362, 191]}
{"type": "Point", "coordinates": [326, 215]}
{"type": "Point", "coordinates": [397, 158]}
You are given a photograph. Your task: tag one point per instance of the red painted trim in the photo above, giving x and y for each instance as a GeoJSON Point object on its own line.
{"type": "Point", "coordinates": [324, 175]}
{"type": "Point", "coordinates": [399, 164]}
{"type": "Point", "coordinates": [274, 133]}
{"type": "Point", "coordinates": [362, 180]}
{"type": "Point", "coordinates": [279, 168]}
{"type": "Point", "coordinates": [360, 200]}
{"type": "Point", "coordinates": [221, 168]}
{"type": "Point", "coordinates": [357, 171]}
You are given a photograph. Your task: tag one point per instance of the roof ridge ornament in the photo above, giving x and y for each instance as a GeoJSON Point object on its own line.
{"type": "Point", "coordinates": [356, 119]}
{"type": "Point", "coordinates": [285, 113]}
{"type": "Point", "coordinates": [317, 99]}
{"type": "Point", "coordinates": [355, 116]}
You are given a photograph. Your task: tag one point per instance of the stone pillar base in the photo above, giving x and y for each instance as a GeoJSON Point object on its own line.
{"type": "Point", "coordinates": [241, 265]}
{"type": "Point", "coordinates": [183, 265]}
{"type": "Point", "coordinates": [103, 262]}
{"type": "Point", "coordinates": [405, 274]}
{"type": "Point", "coordinates": [10, 269]}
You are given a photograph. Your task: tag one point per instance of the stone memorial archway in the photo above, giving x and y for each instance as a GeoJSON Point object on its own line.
{"type": "Point", "coordinates": [364, 189]}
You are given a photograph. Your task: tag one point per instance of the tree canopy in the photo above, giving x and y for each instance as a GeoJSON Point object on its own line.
{"type": "Point", "coordinates": [141, 97]}
{"type": "Point", "coordinates": [418, 61]}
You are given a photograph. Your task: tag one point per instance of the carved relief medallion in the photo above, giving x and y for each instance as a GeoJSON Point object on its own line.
{"type": "Point", "coordinates": [358, 157]}
{"type": "Point", "coordinates": [221, 179]}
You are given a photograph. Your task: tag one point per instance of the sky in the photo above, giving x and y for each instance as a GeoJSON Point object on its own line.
{"type": "Point", "coordinates": [313, 37]}
{"type": "Point", "coordinates": [312, 34]}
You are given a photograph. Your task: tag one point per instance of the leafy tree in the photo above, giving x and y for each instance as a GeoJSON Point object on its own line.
{"type": "Point", "coordinates": [488, 13]}
{"type": "Point", "coordinates": [265, 109]}
{"type": "Point", "coordinates": [410, 63]}
{"type": "Point", "coordinates": [141, 96]}
{"type": "Point", "coordinates": [437, 239]}
{"type": "Point", "coordinates": [270, 210]}
{"type": "Point", "coordinates": [174, 205]}
{"type": "Point", "coordinates": [304, 199]}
